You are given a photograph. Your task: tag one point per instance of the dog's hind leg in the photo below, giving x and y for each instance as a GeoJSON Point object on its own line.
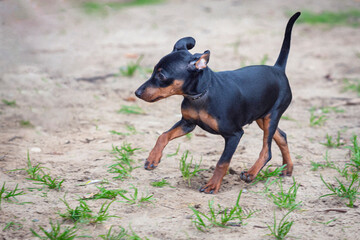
{"type": "Point", "coordinates": [269, 125]}
{"type": "Point", "coordinates": [281, 141]}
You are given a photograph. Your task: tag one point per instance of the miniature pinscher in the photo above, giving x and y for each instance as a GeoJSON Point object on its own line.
{"type": "Point", "coordinates": [222, 103]}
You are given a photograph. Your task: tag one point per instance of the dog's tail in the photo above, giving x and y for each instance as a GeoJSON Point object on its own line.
{"type": "Point", "coordinates": [285, 48]}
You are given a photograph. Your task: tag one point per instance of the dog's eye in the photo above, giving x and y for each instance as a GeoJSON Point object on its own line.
{"type": "Point", "coordinates": [161, 76]}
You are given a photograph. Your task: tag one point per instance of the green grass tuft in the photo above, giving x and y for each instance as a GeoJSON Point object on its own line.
{"type": "Point", "coordinates": [101, 8]}
{"type": "Point", "coordinates": [123, 166]}
{"type": "Point", "coordinates": [130, 128]}
{"type": "Point", "coordinates": [33, 171]}
{"type": "Point", "coordinates": [83, 213]}
{"type": "Point", "coordinates": [285, 199]}
{"type": "Point", "coordinates": [130, 69]}
{"type": "Point", "coordinates": [161, 183]}
{"type": "Point", "coordinates": [189, 170]}
{"type": "Point", "coordinates": [26, 124]}
{"type": "Point", "coordinates": [345, 18]}
{"type": "Point", "coordinates": [115, 235]}
{"type": "Point", "coordinates": [7, 194]}
{"type": "Point", "coordinates": [350, 192]}
{"type": "Point", "coordinates": [328, 164]}
{"type": "Point", "coordinates": [37, 175]}
{"type": "Point", "coordinates": [12, 226]}
{"type": "Point", "coordinates": [188, 136]}
{"type": "Point", "coordinates": [121, 234]}
{"type": "Point", "coordinates": [56, 232]}
{"type": "Point", "coordinates": [265, 174]}
{"type": "Point", "coordinates": [287, 118]}
{"type": "Point", "coordinates": [50, 182]}
{"type": "Point", "coordinates": [9, 103]}
{"type": "Point", "coordinates": [107, 193]}
{"type": "Point", "coordinates": [264, 60]}
{"type": "Point", "coordinates": [355, 154]}
{"type": "Point", "coordinates": [130, 110]}
{"type": "Point", "coordinates": [219, 217]}
{"type": "Point", "coordinates": [134, 197]}
{"type": "Point", "coordinates": [175, 153]}
{"type": "Point", "coordinates": [317, 118]}
{"type": "Point", "coordinates": [281, 229]}
{"type": "Point", "coordinates": [333, 144]}
{"type": "Point", "coordinates": [352, 85]}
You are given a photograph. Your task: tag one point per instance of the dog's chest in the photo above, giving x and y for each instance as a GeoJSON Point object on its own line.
{"type": "Point", "coordinates": [201, 118]}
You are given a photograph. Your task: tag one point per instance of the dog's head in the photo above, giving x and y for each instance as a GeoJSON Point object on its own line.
{"type": "Point", "coordinates": [175, 72]}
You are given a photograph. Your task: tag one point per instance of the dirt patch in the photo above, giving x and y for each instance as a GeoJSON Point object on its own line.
{"type": "Point", "coordinates": [65, 123]}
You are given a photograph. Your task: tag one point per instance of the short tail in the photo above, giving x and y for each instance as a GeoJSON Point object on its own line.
{"type": "Point", "coordinates": [285, 48]}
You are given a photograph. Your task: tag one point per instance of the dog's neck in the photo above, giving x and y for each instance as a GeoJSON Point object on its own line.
{"type": "Point", "coordinates": [198, 88]}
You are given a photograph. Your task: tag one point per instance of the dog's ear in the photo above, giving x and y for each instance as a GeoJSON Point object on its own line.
{"type": "Point", "coordinates": [199, 61]}
{"type": "Point", "coordinates": [185, 43]}
{"type": "Point", "coordinates": [202, 62]}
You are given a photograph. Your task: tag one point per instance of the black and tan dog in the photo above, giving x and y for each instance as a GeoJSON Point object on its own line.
{"type": "Point", "coordinates": [222, 103]}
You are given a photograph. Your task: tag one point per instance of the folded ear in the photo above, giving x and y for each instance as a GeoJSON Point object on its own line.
{"type": "Point", "coordinates": [185, 43]}
{"type": "Point", "coordinates": [203, 60]}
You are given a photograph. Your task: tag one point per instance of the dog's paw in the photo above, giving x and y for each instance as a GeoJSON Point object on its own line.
{"type": "Point", "coordinates": [210, 187]}
{"type": "Point", "coordinates": [208, 190]}
{"type": "Point", "coordinates": [285, 174]}
{"type": "Point", "coordinates": [247, 177]}
{"type": "Point", "coordinates": [150, 165]}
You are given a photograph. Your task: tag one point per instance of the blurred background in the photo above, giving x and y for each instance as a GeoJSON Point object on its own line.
{"type": "Point", "coordinates": [68, 72]}
{"type": "Point", "coordinates": [84, 37]}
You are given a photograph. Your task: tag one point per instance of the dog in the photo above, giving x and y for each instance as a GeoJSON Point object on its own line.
{"type": "Point", "coordinates": [222, 103]}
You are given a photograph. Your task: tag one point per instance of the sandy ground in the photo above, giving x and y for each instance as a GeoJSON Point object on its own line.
{"type": "Point", "coordinates": [45, 48]}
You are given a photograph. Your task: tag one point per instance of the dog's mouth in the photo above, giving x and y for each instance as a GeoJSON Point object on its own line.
{"type": "Point", "coordinates": [157, 99]}
{"type": "Point", "coordinates": [151, 100]}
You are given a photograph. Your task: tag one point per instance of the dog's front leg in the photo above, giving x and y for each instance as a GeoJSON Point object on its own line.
{"type": "Point", "coordinates": [222, 166]}
{"type": "Point", "coordinates": [179, 129]}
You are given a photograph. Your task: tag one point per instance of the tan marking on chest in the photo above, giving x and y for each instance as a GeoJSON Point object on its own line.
{"type": "Point", "coordinates": [203, 116]}
{"type": "Point", "coordinates": [209, 120]}
{"type": "Point", "coordinates": [190, 114]}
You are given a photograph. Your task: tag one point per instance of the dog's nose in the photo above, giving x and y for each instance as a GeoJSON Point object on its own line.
{"type": "Point", "coordinates": [138, 93]}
